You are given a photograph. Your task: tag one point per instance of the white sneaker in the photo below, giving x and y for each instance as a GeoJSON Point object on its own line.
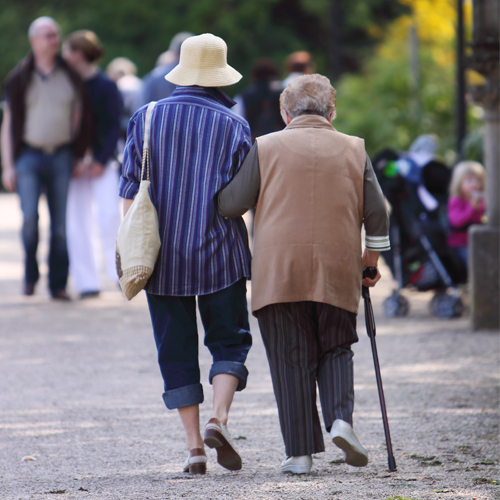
{"type": "Point", "coordinates": [217, 436]}
{"type": "Point", "coordinates": [297, 465]}
{"type": "Point", "coordinates": [345, 438]}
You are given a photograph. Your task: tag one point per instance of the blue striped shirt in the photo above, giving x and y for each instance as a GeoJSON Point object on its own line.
{"type": "Point", "coordinates": [197, 146]}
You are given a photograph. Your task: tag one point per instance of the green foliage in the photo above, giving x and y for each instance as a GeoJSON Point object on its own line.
{"type": "Point", "coordinates": [376, 99]}
{"type": "Point", "coordinates": [427, 461]}
{"type": "Point", "coordinates": [252, 28]}
{"type": "Point", "coordinates": [483, 480]}
{"type": "Point", "coordinates": [382, 106]}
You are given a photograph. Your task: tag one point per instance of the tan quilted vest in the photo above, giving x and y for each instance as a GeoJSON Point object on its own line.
{"type": "Point", "coordinates": [307, 234]}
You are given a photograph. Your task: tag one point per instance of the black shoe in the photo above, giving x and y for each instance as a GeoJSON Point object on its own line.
{"type": "Point", "coordinates": [90, 294]}
{"type": "Point", "coordinates": [29, 289]}
{"type": "Point", "coordinates": [61, 295]}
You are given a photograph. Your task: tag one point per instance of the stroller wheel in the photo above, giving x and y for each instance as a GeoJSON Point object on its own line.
{"type": "Point", "coordinates": [396, 305]}
{"type": "Point", "coordinates": [446, 306]}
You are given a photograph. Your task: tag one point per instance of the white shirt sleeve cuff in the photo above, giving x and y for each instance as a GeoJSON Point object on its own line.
{"type": "Point", "coordinates": [377, 243]}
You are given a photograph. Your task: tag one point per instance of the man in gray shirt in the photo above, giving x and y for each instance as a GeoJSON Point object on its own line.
{"type": "Point", "coordinates": [46, 125]}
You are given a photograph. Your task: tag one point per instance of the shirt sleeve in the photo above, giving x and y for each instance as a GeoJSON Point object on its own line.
{"type": "Point", "coordinates": [241, 194]}
{"type": "Point", "coordinates": [375, 215]}
{"type": "Point", "coordinates": [132, 157]}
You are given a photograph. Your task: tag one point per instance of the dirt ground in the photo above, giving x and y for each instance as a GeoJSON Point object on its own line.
{"type": "Point", "coordinates": [80, 393]}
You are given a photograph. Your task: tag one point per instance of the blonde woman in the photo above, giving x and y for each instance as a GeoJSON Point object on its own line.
{"type": "Point", "coordinates": [92, 197]}
{"type": "Point", "coordinates": [466, 204]}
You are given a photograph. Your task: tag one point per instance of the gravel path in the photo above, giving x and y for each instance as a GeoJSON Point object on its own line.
{"type": "Point", "coordinates": [80, 393]}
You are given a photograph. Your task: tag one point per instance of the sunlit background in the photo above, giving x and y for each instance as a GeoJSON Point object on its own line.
{"type": "Point", "coordinates": [393, 62]}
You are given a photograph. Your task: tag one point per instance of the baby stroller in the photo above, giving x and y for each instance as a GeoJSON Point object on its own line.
{"type": "Point", "coordinates": [420, 257]}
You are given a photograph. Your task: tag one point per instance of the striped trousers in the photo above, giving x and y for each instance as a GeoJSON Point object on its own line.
{"type": "Point", "coordinates": [309, 343]}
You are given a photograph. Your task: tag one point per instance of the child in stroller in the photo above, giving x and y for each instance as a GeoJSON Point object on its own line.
{"type": "Point", "coordinates": [416, 186]}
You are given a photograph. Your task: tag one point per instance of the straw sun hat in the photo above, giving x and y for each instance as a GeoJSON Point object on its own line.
{"type": "Point", "coordinates": [203, 62]}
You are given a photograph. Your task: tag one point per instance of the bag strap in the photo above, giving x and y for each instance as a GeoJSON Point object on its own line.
{"type": "Point", "coordinates": [147, 135]}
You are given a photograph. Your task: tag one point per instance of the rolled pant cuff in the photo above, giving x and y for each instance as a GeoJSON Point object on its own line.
{"type": "Point", "coordinates": [238, 370]}
{"type": "Point", "coordinates": [183, 396]}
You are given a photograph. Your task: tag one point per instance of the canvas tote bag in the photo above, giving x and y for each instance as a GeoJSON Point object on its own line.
{"type": "Point", "coordinates": [138, 241]}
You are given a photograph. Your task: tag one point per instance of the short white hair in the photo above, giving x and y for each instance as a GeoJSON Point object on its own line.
{"type": "Point", "coordinates": [309, 94]}
{"type": "Point", "coordinates": [40, 22]}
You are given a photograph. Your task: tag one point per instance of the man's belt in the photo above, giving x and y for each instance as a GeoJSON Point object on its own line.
{"type": "Point", "coordinates": [50, 150]}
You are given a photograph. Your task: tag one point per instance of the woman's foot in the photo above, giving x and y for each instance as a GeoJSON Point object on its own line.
{"type": "Point", "coordinates": [217, 436]}
{"type": "Point", "coordinates": [196, 462]}
{"type": "Point", "coordinates": [297, 465]}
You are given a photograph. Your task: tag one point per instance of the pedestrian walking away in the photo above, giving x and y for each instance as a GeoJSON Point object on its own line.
{"type": "Point", "coordinates": [259, 103]}
{"type": "Point", "coordinates": [93, 199]}
{"type": "Point", "coordinates": [46, 126]}
{"type": "Point", "coordinates": [314, 189]}
{"type": "Point", "coordinates": [154, 85]}
{"type": "Point", "coordinates": [298, 63]}
{"type": "Point", "coordinates": [124, 73]}
{"type": "Point", "coordinates": [197, 144]}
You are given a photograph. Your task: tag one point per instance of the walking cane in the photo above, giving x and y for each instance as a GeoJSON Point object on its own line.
{"type": "Point", "coordinates": [371, 272]}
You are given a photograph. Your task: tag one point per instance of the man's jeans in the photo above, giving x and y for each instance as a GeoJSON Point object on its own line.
{"type": "Point", "coordinates": [39, 172]}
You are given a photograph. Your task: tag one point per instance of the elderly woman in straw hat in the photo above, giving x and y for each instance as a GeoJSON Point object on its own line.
{"type": "Point", "coordinates": [197, 145]}
{"type": "Point", "coordinates": [314, 188]}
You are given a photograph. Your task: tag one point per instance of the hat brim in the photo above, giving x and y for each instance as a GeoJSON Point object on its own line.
{"type": "Point", "coordinates": [213, 77]}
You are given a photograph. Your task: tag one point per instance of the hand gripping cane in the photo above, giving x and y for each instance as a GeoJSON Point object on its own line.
{"type": "Point", "coordinates": [371, 272]}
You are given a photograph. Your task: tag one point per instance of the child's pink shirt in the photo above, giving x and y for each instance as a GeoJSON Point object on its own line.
{"type": "Point", "coordinates": [461, 215]}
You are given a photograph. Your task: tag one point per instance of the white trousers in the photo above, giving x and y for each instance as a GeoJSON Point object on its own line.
{"type": "Point", "coordinates": [93, 213]}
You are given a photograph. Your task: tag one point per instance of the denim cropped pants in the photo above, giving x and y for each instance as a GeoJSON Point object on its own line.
{"type": "Point", "coordinates": [227, 335]}
{"type": "Point", "coordinates": [39, 172]}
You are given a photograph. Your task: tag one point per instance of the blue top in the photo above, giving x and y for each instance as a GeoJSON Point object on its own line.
{"type": "Point", "coordinates": [106, 104]}
{"type": "Point", "coordinates": [197, 146]}
{"type": "Point", "coordinates": [154, 86]}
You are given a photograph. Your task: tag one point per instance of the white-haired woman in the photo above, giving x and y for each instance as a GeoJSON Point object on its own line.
{"type": "Point", "coordinates": [314, 188]}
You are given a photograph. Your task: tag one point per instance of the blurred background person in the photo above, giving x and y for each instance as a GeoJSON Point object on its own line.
{"type": "Point", "coordinates": [259, 103]}
{"type": "Point", "coordinates": [298, 63]}
{"type": "Point", "coordinates": [154, 86]}
{"type": "Point", "coordinates": [93, 193]}
{"type": "Point", "coordinates": [46, 124]}
{"type": "Point", "coordinates": [124, 73]}
{"type": "Point", "coordinates": [466, 204]}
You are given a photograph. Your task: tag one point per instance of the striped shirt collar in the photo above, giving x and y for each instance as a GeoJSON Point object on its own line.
{"type": "Point", "coordinates": [213, 93]}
